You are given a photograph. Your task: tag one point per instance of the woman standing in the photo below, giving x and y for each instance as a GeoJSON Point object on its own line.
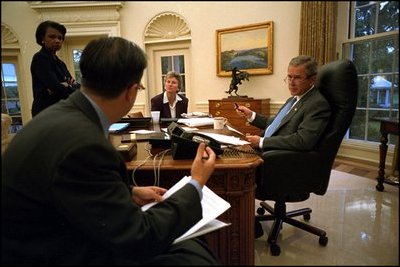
{"type": "Point", "coordinates": [51, 80]}
{"type": "Point", "coordinates": [170, 103]}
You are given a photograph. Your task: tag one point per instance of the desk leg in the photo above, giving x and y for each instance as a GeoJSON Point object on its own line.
{"type": "Point", "coordinates": [382, 160]}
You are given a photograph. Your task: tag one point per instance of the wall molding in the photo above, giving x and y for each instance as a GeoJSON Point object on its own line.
{"type": "Point", "coordinates": [165, 27]}
{"type": "Point", "coordinates": [8, 38]}
{"type": "Point", "coordinates": [82, 18]}
{"type": "Point", "coordinates": [77, 11]}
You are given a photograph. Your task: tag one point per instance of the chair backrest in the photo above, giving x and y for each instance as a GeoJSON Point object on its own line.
{"type": "Point", "coordinates": [338, 82]}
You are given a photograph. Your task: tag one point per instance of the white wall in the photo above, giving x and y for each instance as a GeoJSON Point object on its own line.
{"type": "Point", "coordinates": [203, 18]}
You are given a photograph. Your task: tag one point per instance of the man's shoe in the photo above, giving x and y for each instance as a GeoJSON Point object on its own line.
{"type": "Point", "coordinates": [259, 231]}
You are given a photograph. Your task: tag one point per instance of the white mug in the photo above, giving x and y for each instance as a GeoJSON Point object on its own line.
{"type": "Point", "coordinates": [155, 115]}
{"type": "Point", "coordinates": [219, 123]}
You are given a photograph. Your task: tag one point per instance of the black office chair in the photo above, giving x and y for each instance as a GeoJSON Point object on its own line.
{"type": "Point", "coordinates": [290, 176]}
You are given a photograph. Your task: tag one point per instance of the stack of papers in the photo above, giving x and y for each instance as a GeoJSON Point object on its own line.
{"type": "Point", "coordinates": [195, 114]}
{"type": "Point", "coordinates": [196, 122]}
{"type": "Point", "coordinates": [212, 204]}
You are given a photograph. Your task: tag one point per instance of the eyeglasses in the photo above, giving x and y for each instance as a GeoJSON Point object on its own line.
{"type": "Point", "coordinates": [295, 79]}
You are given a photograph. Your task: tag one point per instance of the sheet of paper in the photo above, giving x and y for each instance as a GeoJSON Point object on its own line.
{"type": "Point", "coordinates": [234, 130]}
{"type": "Point", "coordinates": [170, 191]}
{"type": "Point", "coordinates": [209, 227]}
{"type": "Point", "coordinates": [194, 114]}
{"type": "Point", "coordinates": [212, 204]}
{"type": "Point", "coordinates": [142, 131]}
{"type": "Point", "coordinates": [226, 139]}
{"type": "Point", "coordinates": [196, 122]}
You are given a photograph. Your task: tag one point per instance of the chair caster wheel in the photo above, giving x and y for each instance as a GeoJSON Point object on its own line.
{"type": "Point", "coordinates": [260, 211]}
{"type": "Point", "coordinates": [275, 250]}
{"type": "Point", "coordinates": [323, 240]}
{"type": "Point", "coordinates": [307, 217]}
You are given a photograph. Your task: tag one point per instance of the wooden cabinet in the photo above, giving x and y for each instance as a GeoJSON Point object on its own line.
{"type": "Point", "coordinates": [225, 108]}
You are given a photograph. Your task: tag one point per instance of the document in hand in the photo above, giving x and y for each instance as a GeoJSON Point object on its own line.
{"type": "Point", "coordinates": [212, 205]}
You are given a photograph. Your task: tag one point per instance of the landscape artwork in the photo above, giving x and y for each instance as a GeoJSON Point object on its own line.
{"type": "Point", "coordinates": [247, 48]}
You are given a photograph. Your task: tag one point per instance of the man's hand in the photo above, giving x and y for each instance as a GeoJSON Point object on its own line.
{"type": "Point", "coordinates": [254, 140]}
{"type": "Point", "coordinates": [142, 195]}
{"type": "Point", "coordinates": [71, 81]}
{"type": "Point", "coordinates": [203, 164]}
{"type": "Point", "coordinates": [244, 112]}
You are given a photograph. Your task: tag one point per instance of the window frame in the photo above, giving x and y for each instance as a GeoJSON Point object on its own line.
{"type": "Point", "coordinates": [347, 53]}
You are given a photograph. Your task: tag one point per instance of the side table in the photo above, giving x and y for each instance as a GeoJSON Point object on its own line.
{"type": "Point", "coordinates": [388, 126]}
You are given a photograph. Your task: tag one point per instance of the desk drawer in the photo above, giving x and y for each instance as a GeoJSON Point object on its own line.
{"type": "Point", "coordinates": [225, 105]}
{"type": "Point", "coordinates": [225, 108]}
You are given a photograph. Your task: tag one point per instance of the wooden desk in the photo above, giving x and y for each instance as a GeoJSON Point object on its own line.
{"type": "Point", "coordinates": [225, 108]}
{"type": "Point", "coordinates": [233, 180]}
{"type": "Point", "coordinates": [388, 126]}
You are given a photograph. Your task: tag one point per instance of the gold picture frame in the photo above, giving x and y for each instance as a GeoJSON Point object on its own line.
{"type": "Point", "coordinates": [249, 48]}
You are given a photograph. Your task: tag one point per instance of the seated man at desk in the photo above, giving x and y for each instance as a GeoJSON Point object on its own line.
{"type": "Point", "coordinates": [301, 121]}
{"type": "Point", "coordinates": [66, 199]}
{"type": "Point", "coordinates": [170, 103]}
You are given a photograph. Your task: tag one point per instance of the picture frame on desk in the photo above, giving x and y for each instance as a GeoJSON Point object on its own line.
{"type": "Point", "coordinates": [249, 48]}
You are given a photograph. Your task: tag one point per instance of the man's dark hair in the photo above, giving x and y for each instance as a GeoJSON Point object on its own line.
{"type": "Point", "coordinates": [42, 28]}
{"type": "Point", "coordinates": [110, 65]}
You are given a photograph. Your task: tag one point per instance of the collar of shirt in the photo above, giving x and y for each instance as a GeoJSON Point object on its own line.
{"type": "Point", "coordinates": [165, 98]}
{"type": "Point", "coordinates": [105, 124]}
{"type": "Point", "coordinates": [298, 97]}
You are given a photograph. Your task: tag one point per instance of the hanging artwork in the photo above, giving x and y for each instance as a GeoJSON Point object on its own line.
{"type": "Point", "coordinates": [247, 48]}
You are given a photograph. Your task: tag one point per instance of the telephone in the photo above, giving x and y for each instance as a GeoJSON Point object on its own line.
{"type": "Point", "coordinates": [184, 144]}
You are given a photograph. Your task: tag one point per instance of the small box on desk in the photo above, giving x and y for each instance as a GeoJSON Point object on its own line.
{"type": "Point", "coordinates": [127, 150]}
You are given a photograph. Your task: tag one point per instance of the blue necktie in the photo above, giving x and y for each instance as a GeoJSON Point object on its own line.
{"type": "Point", "coordinates": [275, 123]}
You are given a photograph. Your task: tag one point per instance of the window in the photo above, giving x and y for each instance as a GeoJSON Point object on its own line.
{"type": "Point", "coordinates": [374, 48]}
{"type": "Point", "coordinates": [10, 102]}
{"type": "Point", "coordinates": [76, 58]}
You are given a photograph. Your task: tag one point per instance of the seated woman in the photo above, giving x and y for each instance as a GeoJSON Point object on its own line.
{"type": "Point", "coordinates": [170, 103]}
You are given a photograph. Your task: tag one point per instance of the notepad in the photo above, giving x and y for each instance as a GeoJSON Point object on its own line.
{"type": "Point", "coordinates": [212, 205]}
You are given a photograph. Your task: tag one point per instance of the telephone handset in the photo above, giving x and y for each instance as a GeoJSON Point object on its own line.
{"type": "Point", "coordinates": [184, 144]}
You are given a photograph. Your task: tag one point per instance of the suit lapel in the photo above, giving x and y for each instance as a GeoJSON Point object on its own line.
{"type": "Point", "coordinates": [296, 108]}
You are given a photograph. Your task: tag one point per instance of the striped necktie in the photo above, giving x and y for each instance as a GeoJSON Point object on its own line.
{"type": "Point", "coordinates": [282, 113]}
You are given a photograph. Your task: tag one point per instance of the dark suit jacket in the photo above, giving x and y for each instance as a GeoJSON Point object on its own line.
{"type": "Point", "coordinates": [66, 198]}
{"type": "Point", "coordinates": [302, 127]}
{"type": "Point", "coordinates": [165, 112]}
{"type": "Point", "coordinates": [47, 75]}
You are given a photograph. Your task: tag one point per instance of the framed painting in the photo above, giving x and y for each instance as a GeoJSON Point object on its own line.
{"type": "Point", "coordinates": [249, 48]}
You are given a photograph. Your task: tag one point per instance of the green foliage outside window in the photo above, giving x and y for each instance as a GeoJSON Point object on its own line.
{"type": "Point", "coordinates": [374, 48]}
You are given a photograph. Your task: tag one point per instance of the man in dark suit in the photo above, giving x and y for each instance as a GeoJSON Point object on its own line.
{"type": "Point", "coordinates": [299, 123]}
{"type": "Point", "coordinates": [303, 121]}
{"type": "Point", "coordinates": [66, 199]}
{"type": "Point", "coordinates": [170, 103]}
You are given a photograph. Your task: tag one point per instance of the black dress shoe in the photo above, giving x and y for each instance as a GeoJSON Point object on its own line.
{"type": "Point", "coordinates": [259, 231]}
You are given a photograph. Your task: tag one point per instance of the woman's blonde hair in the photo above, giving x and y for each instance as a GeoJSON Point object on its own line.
{"type": "Point", "coordinates": [176, 75]}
